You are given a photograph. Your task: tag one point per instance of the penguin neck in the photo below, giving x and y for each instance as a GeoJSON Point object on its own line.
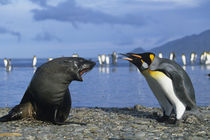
{"type": "Point", "coordinates": [146, 72]}
{"type": "Point", "coordinates": [152, 74]}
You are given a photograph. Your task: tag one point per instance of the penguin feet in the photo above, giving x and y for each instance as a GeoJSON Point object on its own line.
{"type": "Point", "coordinates": [163, 118]}
{"type": "Point", "coordinates": [172, 120]}
{"type": "Point", "coordinates": [169, 120]}
{"type": "Point", "coordinates": [172, 123]}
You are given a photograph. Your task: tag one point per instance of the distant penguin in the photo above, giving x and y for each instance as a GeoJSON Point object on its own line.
{"type": "Point", "coordinates": [160, 55]}
{"type": "Point", "coordinates": [193, 57]}
{"type": "Point", "coordinates": [114, 58]}
{"type": "Point", "coordinates": [103, 58]}
{"type": "Point", "coordinates": [207, 62]}
{"type": "Point", "coordinates": [75, 55]}
{"type": "Point", "coordinates": [5, 62]}
{"type": "Point", "coordinates": [172, 56]}
{"type": "Point", "coordinates": [50, 59]}
{"type": "Point", "coordinates": [9, 65]}
{"type": "Point", "coordinates": [99, 60]}
{"type": "Point", "coordinates": [169, 82]}
{"type": "Point", "coordinates": [34, 62]}
{"type": "Point", "coordinates": [184, 60]}
{"type": "Point", "coordinates": [107, 60]}
{"type": "Point", "coordinates": [202, 58]}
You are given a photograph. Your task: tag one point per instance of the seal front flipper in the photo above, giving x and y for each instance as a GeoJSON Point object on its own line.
{"type": "Point", "coordinates": [55, 119]}
{"type": "Point", "coordinates": [18, 112]}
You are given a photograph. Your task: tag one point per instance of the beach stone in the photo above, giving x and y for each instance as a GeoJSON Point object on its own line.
{"type": "Point", "coordinates": [138, 107]}
{"type": "Point", "coordinates": [30, 137]}
{"type": "Point", "coordinates": [109, 123]}
{"type": "Point", "coordinates": [191, 119]}
{"type": "Point", "coordinates": [140, 134]}
{"type": "Point", "coordinates": [201, 133]}
{"type": "Point", "coordinates": [196, 138]}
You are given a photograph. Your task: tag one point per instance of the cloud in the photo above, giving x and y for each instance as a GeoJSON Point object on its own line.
{"type": "Point", "coordinates": [180, 2]}
{"type": "Point", "coordinates": [40, 2]}
{"type": "Point", "coordinates": [13, 33]}
{"type": "Point", "coordinates": [140, 6]}
{"type": "Point", "coordinates": [45, 36]}
{"type": "Point", "coordinates": [185, 3]}
{"type": "Point", "coordinates": [4, 2]}
{"type": "Point", "coordinates": [70, 11]}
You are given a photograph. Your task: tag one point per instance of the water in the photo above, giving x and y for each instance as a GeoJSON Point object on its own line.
{"type": "Point", "coordinates": [107, 86]}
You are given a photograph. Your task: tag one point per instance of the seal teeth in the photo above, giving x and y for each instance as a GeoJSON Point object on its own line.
{"type": "Point", "coordinates": [83, 71]}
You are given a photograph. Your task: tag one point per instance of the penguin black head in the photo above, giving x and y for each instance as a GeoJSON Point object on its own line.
{"type": "Point", "coordinates": [142, 60]}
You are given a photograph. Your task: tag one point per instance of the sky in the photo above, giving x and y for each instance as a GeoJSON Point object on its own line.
{"type": "Point", "coordinates": [54, 28]}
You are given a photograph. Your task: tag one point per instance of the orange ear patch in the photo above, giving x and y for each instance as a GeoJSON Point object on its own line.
{"type": "Point", "coordinates": [151, 57]}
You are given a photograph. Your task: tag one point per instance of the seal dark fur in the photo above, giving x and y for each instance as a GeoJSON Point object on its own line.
{"type": "Point", "coordinates": [47, 97]}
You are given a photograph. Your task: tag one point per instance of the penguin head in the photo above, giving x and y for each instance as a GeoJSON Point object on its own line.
{"type": "Point", "coordinates": [142, 61]}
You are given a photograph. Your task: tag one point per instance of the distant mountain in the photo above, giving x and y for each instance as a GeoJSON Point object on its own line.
{"type": "Point", "coordinates": [194, 43]}
{"type": "Point", "coordinates": [138, 50]}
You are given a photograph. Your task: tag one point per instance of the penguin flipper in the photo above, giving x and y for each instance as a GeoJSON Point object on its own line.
{"type": "Point", "coordinates": [182, 84]}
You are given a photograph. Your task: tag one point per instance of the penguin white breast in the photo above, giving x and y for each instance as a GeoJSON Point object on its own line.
{"type": "Point", "coordinates": [162, 86]}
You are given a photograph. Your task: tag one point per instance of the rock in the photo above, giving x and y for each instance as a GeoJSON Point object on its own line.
{"type": "Point", "coordinates": [191, 119]}
{"type": "Point", "coordinates": [138, 107]}
{"type": "Point", "coordinates": [140, 134]}
{"type": "Point", "coordinates": [110, 123]}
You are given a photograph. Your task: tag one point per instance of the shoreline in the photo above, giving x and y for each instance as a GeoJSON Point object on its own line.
{"type": "Point", "coordinates": [136, 122]}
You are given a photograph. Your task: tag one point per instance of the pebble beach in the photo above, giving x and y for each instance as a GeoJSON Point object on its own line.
{"type": "Point", "coordinates": [131, 123]}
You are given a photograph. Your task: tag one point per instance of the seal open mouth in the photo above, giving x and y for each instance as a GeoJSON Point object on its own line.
{"type": "Point", "coordinates": [83, 71]}
{"type": "Point", "coordinates": [85, 68]}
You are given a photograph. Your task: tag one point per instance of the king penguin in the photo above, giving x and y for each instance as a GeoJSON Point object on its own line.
{"type": "Point", "coordinates": [170, 84]}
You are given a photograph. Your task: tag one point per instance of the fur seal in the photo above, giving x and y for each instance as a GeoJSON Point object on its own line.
{"type": "Point", "coordinates": [47, 97]}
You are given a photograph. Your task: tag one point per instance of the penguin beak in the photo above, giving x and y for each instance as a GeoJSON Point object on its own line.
{"type": "Point", "coordinates": [127, 58]}
{"type": "Point", "coordinates": [134, 58]}
{"type": "Point", "coordinates": [131, 56]}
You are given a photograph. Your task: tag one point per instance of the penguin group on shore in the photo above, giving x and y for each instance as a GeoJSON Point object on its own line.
{"type": "Point", "coordinates": [169, 82]}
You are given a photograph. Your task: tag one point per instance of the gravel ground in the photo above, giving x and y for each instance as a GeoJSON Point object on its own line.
{"type": "Point", "coordinates": [132, 123]}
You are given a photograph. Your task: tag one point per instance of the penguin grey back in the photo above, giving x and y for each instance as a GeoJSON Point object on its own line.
{"type": "Point", "coordinates": [181, 81]}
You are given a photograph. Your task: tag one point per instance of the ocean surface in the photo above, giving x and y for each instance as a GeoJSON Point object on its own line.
{"type": "Point", "coordinates": [120, 85]}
